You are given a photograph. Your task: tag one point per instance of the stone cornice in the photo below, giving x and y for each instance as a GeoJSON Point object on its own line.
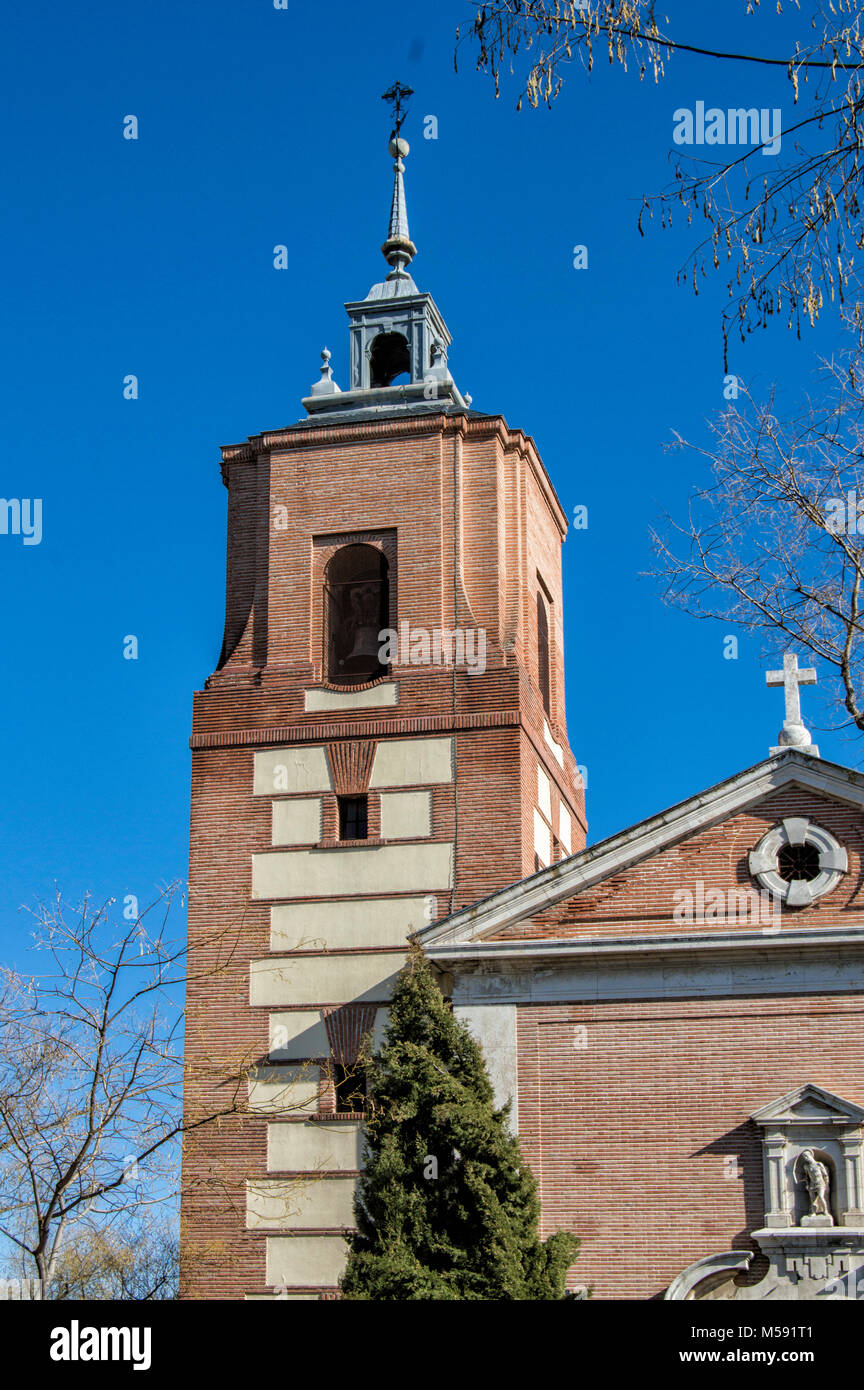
{"type": "Point", "coordinates": [722, 966]}
{"type": "Point", "coordinates": [529, 953]}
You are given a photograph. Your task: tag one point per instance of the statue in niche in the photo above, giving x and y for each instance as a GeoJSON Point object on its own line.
{"type": "Point", "coordinates": [816, 1179]}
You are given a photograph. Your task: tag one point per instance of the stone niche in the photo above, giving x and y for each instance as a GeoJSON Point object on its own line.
{"type": "Point", "coordinates": [813, 1229]}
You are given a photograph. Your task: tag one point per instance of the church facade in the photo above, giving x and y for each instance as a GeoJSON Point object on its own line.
{"type": "Point", "coordinates": [382, 754]}
{"type": "Point", "coordinates": [677, 1014]}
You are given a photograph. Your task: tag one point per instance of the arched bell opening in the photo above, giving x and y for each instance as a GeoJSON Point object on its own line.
{"type": "Point", "coordinates": [389, 359]}
{"type": "Point", "coordinates": [356, 610]}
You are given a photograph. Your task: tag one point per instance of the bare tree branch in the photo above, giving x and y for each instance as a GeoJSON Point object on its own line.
{"type": "Point", "coordinates": [788, 228]}
{"type": "Point", "coordinates": [92, 1075]}
{"type": "Point", "coordinates": [774, 542]}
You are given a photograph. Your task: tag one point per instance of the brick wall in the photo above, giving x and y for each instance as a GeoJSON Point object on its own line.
{"type": "Point", "coordinates": [640, 1138]}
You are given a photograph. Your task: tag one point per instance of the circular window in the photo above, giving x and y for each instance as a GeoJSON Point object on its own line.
{"type": "Point", "coordinates": [798, 861]}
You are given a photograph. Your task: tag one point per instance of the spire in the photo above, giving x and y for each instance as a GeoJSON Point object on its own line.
{"type": "Point", "coordinates": [398, 250]}
{"type": "Point", "coordinates": [398, 344]}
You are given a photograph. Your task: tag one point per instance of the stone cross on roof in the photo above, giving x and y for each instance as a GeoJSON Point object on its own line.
{"type": "Point", "coordinates": [793, 734]}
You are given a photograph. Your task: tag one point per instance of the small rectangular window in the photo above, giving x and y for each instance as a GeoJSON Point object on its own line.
{"type": "Point", "coordinates": [349, 1084]}
{"type": "Point", "coordinates": [353, 818]}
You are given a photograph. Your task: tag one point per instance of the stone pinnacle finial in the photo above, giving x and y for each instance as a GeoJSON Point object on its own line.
{"type": "Point", "coordinates": [325, 386]}
{"type": "Point", "coordinates": [793, 734]}
{"type": "Point", "coordinates": [398, 250]}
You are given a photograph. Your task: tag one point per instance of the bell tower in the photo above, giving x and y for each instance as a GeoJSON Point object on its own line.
{"type": "Point", "coordinates": [382, 743]}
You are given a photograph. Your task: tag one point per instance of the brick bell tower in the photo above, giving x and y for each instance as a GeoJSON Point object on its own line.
{"type": "Point", "coordinates": [382, 743]}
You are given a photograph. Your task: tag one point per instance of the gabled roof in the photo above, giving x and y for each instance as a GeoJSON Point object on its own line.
{"type": "Point", "coordinates": [530, 896]}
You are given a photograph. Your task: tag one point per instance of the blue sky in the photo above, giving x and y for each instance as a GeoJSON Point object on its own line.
{"type": "Point", "coordinates": [154, 257]}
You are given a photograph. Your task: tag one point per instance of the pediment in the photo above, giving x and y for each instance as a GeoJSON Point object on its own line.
{"type": "Point", "coordinates": [809, 1104]}
{"type": "Point", "coordinates": [571, 877]}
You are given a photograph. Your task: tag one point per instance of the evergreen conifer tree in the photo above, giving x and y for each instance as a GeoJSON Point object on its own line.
{"type": "Point", "coordinates": [447, 1208]}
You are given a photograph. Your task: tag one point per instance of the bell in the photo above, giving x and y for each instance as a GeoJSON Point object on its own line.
{"type": "Point", "coordinates": [365, 603]}
{"type": "Point", "coordinates": [366, 646]}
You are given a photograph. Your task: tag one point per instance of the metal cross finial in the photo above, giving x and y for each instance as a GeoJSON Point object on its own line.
{"type": "Point", "coordinates": [396, 95]}
{"type": "Point", "coordinates": [793, 734]}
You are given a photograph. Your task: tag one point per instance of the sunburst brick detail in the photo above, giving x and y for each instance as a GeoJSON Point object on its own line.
{"type": "Point", "coordinates": [347, 1025]}
{"type": "Point", "coordinates": [351, 766]}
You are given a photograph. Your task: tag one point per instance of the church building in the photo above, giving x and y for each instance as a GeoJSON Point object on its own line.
{"type": "Point", "coordinates": [381, 754]}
